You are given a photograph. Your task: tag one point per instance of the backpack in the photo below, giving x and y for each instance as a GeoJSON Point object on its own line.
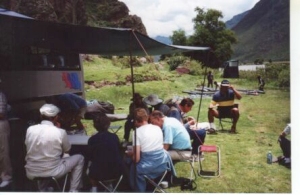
{"type": "Point", "coordinates": [171, 103]}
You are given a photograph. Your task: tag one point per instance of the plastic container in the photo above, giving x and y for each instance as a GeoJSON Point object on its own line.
{"type": "Point", "coordinates": [269, 157]}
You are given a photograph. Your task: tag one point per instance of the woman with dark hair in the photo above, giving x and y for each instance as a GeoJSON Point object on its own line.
{"type": "Point", "coordinates": [105, 155]}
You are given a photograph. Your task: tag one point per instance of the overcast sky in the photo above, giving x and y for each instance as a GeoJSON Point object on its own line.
{"type": "Point", "coordinates": [162, 17]}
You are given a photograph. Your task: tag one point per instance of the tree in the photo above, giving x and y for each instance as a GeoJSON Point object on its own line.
{"type": "Point", "coordinates": [178, 37]}
{"type": "Point", "coordinates": [210, 31]}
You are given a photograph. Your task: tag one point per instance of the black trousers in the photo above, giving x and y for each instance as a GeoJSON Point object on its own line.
{"type": "Point", "coordinates": [285, 146]}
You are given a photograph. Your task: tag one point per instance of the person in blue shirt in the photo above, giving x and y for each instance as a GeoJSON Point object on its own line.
{"type": "Point", "coordinates": [73, 108]}
{"type": "Point", "coordinates": [176, 137]}
{"type": "Point", "coordinates": [178, 111]}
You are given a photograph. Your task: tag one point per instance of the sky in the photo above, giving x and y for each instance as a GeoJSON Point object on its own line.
{"type": "Point", "coordinates": [162, 17]}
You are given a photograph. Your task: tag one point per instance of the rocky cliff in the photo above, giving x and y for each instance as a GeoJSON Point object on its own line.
{"type": "Point", "coordinates": [100, 13]}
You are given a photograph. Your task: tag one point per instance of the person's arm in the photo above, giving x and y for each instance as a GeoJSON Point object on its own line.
{"type": "Point", "coordinates": [66, 146]}
{"type": "Point", "coordinates": [166, 146]}
{"type": "Point", "coordinates": [136, 153]}
{"type": "Point", "coordinates": [236, 93]}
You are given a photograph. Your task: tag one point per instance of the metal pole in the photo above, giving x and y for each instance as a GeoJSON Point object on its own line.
{"type": "Point", "coordinates": [201, 93]}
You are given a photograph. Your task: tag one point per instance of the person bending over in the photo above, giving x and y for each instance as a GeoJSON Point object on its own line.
{"type": "Point", "coordinates": [148, 154]}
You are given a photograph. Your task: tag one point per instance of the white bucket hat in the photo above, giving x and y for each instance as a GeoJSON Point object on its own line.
{"type": "Point", "coordinates": [152, 100]}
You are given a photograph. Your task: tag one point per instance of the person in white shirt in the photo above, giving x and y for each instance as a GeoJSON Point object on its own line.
{"type": "Point", "coordinates": [45, 144]}
{"type": "Point", "coordinates": [148, 154]}
{"type": "Point", "coordinates": [285, 145]}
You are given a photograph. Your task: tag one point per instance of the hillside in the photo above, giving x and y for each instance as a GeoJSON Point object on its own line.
{"type": "Point", "coordinates": [98, 13]}
{"type": "Point", "coordinates": [264, 32]}
{"type": "Point", "coordinates": [235, 20]}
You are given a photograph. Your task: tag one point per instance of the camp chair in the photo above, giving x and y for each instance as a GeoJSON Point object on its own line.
{"type": "Point", "coordinates": [184, 156]}
{"type": "Point", "coordinates": [224, 114]}
{"type": "Point", "coordinates": [210, 151]}
{"type": "Point", "coordinates": [156, 182]}
{"type": "Point", "coordinates": [111, 185]}
{"type": "Point", "coordinates": [53, 179]}
{"type": "Point", "coordinates": [115, 128]}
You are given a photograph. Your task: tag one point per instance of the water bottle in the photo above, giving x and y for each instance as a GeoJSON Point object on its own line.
{"type": "Point", "coordinates": [269, 157]}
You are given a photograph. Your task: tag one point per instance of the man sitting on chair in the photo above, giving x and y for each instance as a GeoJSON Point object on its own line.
{"type": "Point", "coordinates": [224, 100]}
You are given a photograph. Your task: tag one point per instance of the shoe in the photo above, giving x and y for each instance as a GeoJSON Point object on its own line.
{"type": "Point", "coordinates": [211, 131]}
{"type": "Point", "coordinates": [287, 160]}
{"type": "Point", "coordinates": [124, 144]}
{"type": "Point", "coordinates": [233, 130]}
{"type": "Point", "coordinates": [5, 183]}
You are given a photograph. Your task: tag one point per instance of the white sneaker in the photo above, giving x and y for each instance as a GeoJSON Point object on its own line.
{"type": "Point", "coordinates": [5, 183]}
{"type": "Point", "coordinates": [287, 160]}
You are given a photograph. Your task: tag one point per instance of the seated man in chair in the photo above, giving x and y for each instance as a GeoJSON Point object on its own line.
{"type": "Point", "coordinates": [224, 100]}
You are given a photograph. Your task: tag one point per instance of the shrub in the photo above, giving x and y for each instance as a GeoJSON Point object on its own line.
{"type": "Point", "coordinates": [175, 61]}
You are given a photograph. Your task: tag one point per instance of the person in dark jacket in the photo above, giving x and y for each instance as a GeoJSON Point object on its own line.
{"type": "Point", "coordinates": [104, 153]}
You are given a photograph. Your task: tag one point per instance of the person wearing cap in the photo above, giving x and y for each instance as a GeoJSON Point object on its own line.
{"type": "Point", "coordinates": [156, 103]}
{"type": "Point", "coordinates": [45, 144]}
{"type": "Point", "coordinates": [137, 102]}
{"type": "Point", "coordinates": [224, 100]}
{"type": "Point", "coordinates": [5, 163]}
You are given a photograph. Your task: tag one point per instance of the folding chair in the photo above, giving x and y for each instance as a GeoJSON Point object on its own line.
{"type": "Point", "coordinates": [210, 150]}
{"type": "Point", "coordinates": [108, 184]}
{"type": "Point", "coordinates": [184, 156]}
{"type": "Point", "coordinates": [38, 179]}
{"type": "Point", "coordinates": [224, 115]}
{"type": "Point", "coordinates": [115, 128]}
{"type": "Point", "coordinates": [157, 185]}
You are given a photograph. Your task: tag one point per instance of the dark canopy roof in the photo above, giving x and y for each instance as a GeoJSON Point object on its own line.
{"type": "Point", "coordinates": [85, 39]}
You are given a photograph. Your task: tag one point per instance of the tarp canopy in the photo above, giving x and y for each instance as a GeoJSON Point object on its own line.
{"type": "Point", "coordinates": [85, 39]}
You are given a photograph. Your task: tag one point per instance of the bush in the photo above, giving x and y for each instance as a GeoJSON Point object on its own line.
{"type": "Point", "coordinates": [176, 61]}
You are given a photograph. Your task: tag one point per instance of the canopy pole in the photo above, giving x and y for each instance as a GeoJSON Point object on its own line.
{"type": "Point", "coordinates": [201, 93]}
{"type": "Point", "coordinates": [133, 99]}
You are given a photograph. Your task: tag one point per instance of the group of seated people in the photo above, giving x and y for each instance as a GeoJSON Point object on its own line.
{"type": "Point", "coordinates": [159, 138]}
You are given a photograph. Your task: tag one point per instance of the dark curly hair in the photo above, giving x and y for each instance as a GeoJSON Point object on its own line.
{"type": "Point", "coordinates": [101, 121]}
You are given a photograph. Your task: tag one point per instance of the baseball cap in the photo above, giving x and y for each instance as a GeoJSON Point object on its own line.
{"type": "Point", "coordinates": [225, 83]}
{"type": "Point", "coordinates": [49, 110]}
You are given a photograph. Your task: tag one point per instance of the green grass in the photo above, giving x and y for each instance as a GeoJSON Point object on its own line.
{"type": "Point", "coordinates": [243, 155]}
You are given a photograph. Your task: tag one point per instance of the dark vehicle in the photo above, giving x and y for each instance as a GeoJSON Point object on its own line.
{"type": "Point", "coordinates": [231, 69]}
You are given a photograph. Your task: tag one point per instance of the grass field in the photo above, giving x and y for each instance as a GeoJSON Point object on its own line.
{"type": "Point", "coordinates": [243, 155]}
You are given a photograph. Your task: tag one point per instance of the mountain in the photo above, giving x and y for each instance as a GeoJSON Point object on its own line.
{"type": "Point", "coordinates": [97, 13]}
{"type": "Point", "coordinates": [264, 33]}
{"type": "Point", "coordinates": [162, 39]}
{"type": "Point", "coordinates": [235, 20]}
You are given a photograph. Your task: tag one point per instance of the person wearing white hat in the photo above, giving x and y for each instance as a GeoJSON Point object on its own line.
{"type": "Point", "coordinates": [45, 144]}
{"type": "Point", "coordinates": [156, 103]}
{"type": "Point", "coordinates": [5, 163]}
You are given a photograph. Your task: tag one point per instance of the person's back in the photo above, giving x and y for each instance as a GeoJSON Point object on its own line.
{"type": "Point", "coordinates": [106, 159]}
{"type": "Point", "coordinates": [45, 145]}
{"type": "Point", "coordinates": [148, 153]}
{"type": "Point", "coordinates": [175, 134]}
{"type": "Point", "coordinates": [40, 157]}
